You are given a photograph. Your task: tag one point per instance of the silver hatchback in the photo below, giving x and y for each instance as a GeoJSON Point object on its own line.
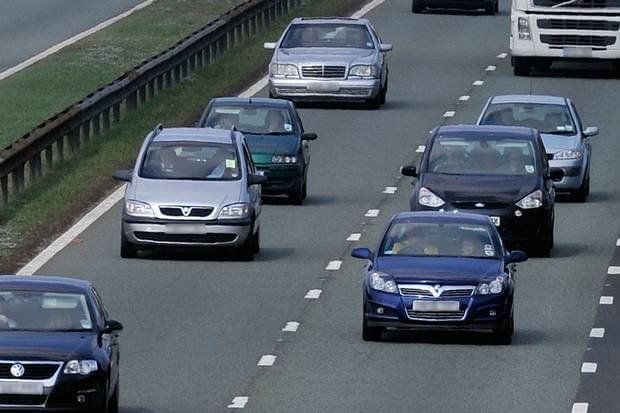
{"type": "Point", "coordinates": [192, 187]}
{"type": "Point", "coordinates": [566, 140]}
{"type": "Point", "coordinates": [329, 59]}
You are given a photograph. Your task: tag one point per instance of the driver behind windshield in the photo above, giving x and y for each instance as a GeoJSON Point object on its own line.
{"type": "Point", "coordinates": [412, 242]}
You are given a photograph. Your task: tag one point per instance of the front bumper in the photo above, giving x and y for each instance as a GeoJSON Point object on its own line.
{"type": "Point", "coordinates": [354, 90]}
{"type": "Point", "coordinates": [574, 174]}
{"type": "Point", "coordinates": [281, 179]}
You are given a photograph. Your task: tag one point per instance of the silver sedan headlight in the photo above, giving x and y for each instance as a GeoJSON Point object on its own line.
{"type": "Point", "coordinates": [363, 71]}
{"type": "Point", "coordinates": [286, 70]}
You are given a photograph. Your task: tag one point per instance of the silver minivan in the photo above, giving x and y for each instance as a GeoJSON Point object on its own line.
{"type": "Point", "coordinates": [192, 187]}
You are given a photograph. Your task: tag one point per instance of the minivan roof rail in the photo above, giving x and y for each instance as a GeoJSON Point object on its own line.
{"type": "Point", "coordinates": [329, 17]}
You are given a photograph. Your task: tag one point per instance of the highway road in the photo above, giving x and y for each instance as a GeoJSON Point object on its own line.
{"type": "Point", "coordinates": [28, 27]}
{"type": "Point", "coordinates": [197, 325]}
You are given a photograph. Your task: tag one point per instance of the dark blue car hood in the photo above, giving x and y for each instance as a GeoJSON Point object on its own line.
{"type": "Point", "coordinates": [445, 270]}
{"type": "Point", "coordinates": [47, 346]}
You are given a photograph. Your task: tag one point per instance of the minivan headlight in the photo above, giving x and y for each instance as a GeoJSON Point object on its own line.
{"type": "Point", "coordinates": [523, 25]}
{"type": "Point", "coordinates": [429, 199]}
{"type": "Point", "coordinates": [138, 208]}
{"type": "Point", "coordinates": [286, 70]}
{"type": "Point", "coordinates": [567, 154]}
{"type": "Point", "coordinates": [382, 282]}
{"type": "Point", "coordinates": [494, 287]}
{"type": "Point", "coordinates": [83, 367]}
{"type": "Point", "coordinates": [363, 71]}
{"type": "Point", "coordinates": [533, 200]}
{"type": "Point", "coordinates": [239, 210]}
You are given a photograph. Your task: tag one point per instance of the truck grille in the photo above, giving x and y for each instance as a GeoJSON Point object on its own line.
{"type": "Point", "coordinates": [178, 211]}
{"type": "Point", "coordinates": [583, 4]}
{"type": "Point", "coordinates": [331, 72]}
{"type": "Point", "coordinates": [575, 40]}
{"type": "Point", "coordinates": [32, 371]}
{"type": "Point", "coordinates": [567, 24]}
{"type": "Point", "coordinates": [185, 238]}
{"type": "Point", "coordinates": [431, 315]}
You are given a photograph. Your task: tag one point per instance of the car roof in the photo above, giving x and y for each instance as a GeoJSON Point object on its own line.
{"type": "Point", "coordinates": [490, 131]}
{"type": "Point", "coordinates": [322, 20]}
{"type": "Point", "coordinates": [44, 283]}
{"type": "Point", "coordinates": [436, 216]}
{"type": "Point", "coordinates": [276, 103]}
{"type": "Point", "coordinates": [195, 134]}
{"type": "Point", "coordinates": [541, 99]}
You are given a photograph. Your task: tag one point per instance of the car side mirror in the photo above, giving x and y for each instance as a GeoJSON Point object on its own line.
{"type": "Point", "coordinates": [124, 175]}
{"type": "Point", "coordinates": [408, 170]}
{"type": "Point", "coordinates": [269, 45]}
{"type": "Point", "coordinates": [309, 136]}
{"type": "Point", "coordinates": [112, 326]}
{"type": "Point", "coordinates": [590, 131]}
{"type": "Point", "coordinates": [386, 47]}
{"type": "Point", "coordinates": [254, 179]}
{"type": "Point", "coordinates": [363, 253]}
{"type": "Point", "coordinates": [556, 174]}
{"type": "Point", "coordinates": [516, 256]}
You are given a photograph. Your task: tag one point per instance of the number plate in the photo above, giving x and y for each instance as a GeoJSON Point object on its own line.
{"type": "Point", "coordinates": [436, 306]}
{"type": "Point", "coordinates": [17, 387]}
{"type": "Point", "coordinates": [323, 87]}
{"type": "Point", "coordinates": [496, 221]}
{"type": "Point", "coordinates": [577, 52]}
{"type": "Point", "coordinates": [185, 229]}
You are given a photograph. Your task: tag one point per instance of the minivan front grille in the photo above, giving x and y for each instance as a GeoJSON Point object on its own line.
{"type": "Point", "coordinates": [571, 24]}
{"type": "Point", "coordinates": [577, 40]}
{"type": "Point", "coordinates": [185, 238]}
{"type": "Point", "coordinates": [332, 72]}
{"type": "Point", "coordinates": [186, 211]}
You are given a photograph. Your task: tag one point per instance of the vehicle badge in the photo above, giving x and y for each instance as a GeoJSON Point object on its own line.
{"type": "Point", "coordinates": [436, 290]}
{"type": "Point", "coordinates": [479, 205]}
{"type": "Point", "coordinates": [17, 370]}
{"type": "Point", "coordinates": [186, 211]}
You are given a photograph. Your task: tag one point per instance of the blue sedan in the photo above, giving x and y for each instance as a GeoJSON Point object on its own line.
{"type": "Point", "coordinates": [439, 270]}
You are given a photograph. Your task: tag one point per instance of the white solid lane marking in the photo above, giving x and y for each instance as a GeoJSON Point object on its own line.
{"type": "Point", "coordinates": [449, 114]}
{"type": "Point", "coordinates": [66, 238]}
{"type": "Point", "coordinates": [291, 326]}
{"type": "Point", "coordinates": [238, 402]}
{"type": "Point", "coordinates": [613, 270]}
{"type": "Point", "coordinates": [502, 55]}
{"type": "Point", "coordinates": [334, 265]}
{"type": "Point", "coordinates": [597, 332]}
{"type": "Point", "coordinates": [372, 213]}
{"type": "Point", "coordinates": [422, 148]}
{"type": "Point", "coordinates": [255, 88]}
{"type": "Point", "coordinates": [618, 242]}
{"type": "Point", "coordinates": [490, 68]}
{"type": "Point", "coordinates": [313, 294]}
{"type": "Point", "coordinates": [606, 299]}
{"type": "Point", "coordinates": [478, 83]}
{"type": "Point", "coordinates": [580, 407]}
{"type": "Point", "coordinates": [361, 12]}
{"type": "Point", "coordinates": [390, 190]}
{"type": "Point", "coordinates": [354, 237]}
{"type": "Point", "coordinates": [464, 98]}
{"type": "Point", "coordinates": [588, 368]}
{"type": "Point", "coordinates": [267, 360]}
{"type": "Point", "coordinates": [11, 71]}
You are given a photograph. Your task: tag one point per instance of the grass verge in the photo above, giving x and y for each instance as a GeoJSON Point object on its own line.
{"type": "Point", "coordinates": [59, 199]}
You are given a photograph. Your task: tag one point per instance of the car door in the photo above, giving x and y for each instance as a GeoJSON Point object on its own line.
{"type": "Point", "coordinates": [254, 190]}
{"type": "Point", "coordinates": [109, 342]}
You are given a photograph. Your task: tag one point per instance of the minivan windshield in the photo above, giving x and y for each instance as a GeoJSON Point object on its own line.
{"type": "Point", "coordinates": [340, 35]}
{"type": "Point", "coordinates": [482, 156]}
{"type": "Point", "coordinates": [206, 161]}
{"type": "Point", "coordinates": [440, 239]}
{"type": "Point", "coordinates": [546, 118]}
{"type": "Point", "coordinates": [251, 119]}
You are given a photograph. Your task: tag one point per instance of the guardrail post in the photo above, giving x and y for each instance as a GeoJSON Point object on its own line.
{"type": "Point", "coordinates": [160, 83]}
{"type": "Point", "coordinates": [35, 166]}
{"type": "Point", "coordinates": [96, 121]}
{"type": "Point", "coordinates": [74, 140]}
{"type": "Point", "coordinates": [4, 187]}
{"type": "Point", "coordinates": [86, 131]}
{"type": "Point", "coordinates": [229, 37]}
{"type": "Point", "coordinates": [116, 112]}
{"type": "Point", "coordinates": [60, 148]}
{"type": "Point", "coordinates": [151, 88]}
{"type": "Point", "coordinates": [168, 76]}
{"type": "Point", "coordinates": [192, 62]}
{"type": "Point", "coordinates": [49, 157]}
{"type": "Point", "coordinates": [176, 78]}
{"type": "Point", "coordinates": [18, 179]}
{"type": "Point", "coordinates": [131, 102]}
{"type": "Point", "coordinates": [253, 23]}
{"type": "Point", "coordinates": [184, 69]}
{"type": "Point", "coordinates": [142, 93]}
{"type": "Point", "coordinates": [105, 119]}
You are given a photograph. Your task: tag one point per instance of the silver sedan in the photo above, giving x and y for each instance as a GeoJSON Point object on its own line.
{"type": "Point", "coordinates": [566, 140]}
{"type": "Point", "coordinates": [329, 59]}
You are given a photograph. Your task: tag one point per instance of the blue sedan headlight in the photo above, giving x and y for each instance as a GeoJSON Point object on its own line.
{"type": "Point", "coordinates": [382, 282]}
{"type": "Point", "coordinates": [494, 287]}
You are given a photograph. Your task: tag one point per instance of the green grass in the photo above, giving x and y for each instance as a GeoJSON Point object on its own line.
{"type": "Point", "coordinates": [51, 204]}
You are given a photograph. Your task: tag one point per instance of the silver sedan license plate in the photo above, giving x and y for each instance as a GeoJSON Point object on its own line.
{"type": "Point", "coordinates": [496, 221]}
{"type": "Point", "coordinates": [323, 87]}
{"type": "Point", "coordinates": [436, 306]}
{"type": "Point", "coordinates": [185, 229]}
{"type": "Point", "coordinates": [19, 387]}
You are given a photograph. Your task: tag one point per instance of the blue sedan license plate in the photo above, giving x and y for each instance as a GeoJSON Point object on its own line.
{"type": "Point", "coordinates": [438, 306]}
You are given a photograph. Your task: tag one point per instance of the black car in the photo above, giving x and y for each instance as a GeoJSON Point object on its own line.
{"type": "Point", "coordinates": [275, 134]}
{"type": "Point", "coordinates": [59, 350]}
{"type": "Point", "coordinates": [499, 171]}
{"type": "Point", "coordinates": [490, 6]}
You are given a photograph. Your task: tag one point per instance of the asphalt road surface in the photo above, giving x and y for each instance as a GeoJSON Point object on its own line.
{"type": "Point", "coordinates": [28, 27]}
{"type": "Point", "coordinates": [196, 326]}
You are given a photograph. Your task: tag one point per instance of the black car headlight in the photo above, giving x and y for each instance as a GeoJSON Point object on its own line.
{"type": "Point", "coordinates": [382, 282]}
{"type": "Point", "coordinates": [492, 287]}
{"type": "Point", "coordinates": [83, 367]}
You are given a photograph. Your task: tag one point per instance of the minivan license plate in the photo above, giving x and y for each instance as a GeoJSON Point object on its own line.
{"type": "Point", "coordinates": [18, 387]}
{"type": "Point", "coordinates": [438, 306]}
{"type": "Point", "coordinates": [496, 221]}
{"type": "Point", "coordinates": [185, 229]}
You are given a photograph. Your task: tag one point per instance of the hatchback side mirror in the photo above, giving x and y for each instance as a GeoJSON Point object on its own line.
{"type": "Point", "coordinates": [590, 131]}
{"type": "Point", "coordinates": [124, 176]}
{"type": "Point", "coordinates": [309, 136]}
{"type": "Point", "coordinates": [408, 170]}
{"type": "Point", "coordinates": [386, 47]}
{"type": "Point", "coordinates": [363, 253]}
{"type": "Point", "coordinates": [556, 174]}
{"type": "Point", "coordinates": [254, 179]}
{"type": "Point", "coordinates": [112, 326]}
{"type": "Point", "coordinates": [516, 256]}
{"type": "Point", "coordinates": [269, 45]}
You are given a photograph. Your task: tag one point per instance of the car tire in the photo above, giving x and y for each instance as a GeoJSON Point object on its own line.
{"type": "Point", "coordinates": [271, 95]}
{"type": "Point", "coordinates": [504, 335]}
{"type": "Point", "coordinates": [521, 66]}
{"type": "Point", "coordinates": [583, 191]}
{"type": "Point", "coordinates": [417, 6]}
{"type": "Point", "coordinates": [370, 333]}
{"type": "Point", "coordinates": [246, 250]}
{"type": "Point", "coordinates": [256, 241]}
{"type": "Point", "coordinates": [113, 403]}
{"type": "Point", "coordinates": [496, 6]}
{"type": "Point", "coordinates": [384, 92]}
{"type": "Point", "coordinates": [543, 64]}
{"type": "Point", "coordinates": [297, 197]}
{"type": "Point", "coordinates": [489, 7]}
{"type": "Point", "coordinates": [544, 250]}
{"type": "Point", "coordinates": [375, 103]}
{"type": "Point", "coordinates": [128, 250]}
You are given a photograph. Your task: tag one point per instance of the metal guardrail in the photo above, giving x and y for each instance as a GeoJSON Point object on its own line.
{"type": "Point", "coordinates": [39, 150]}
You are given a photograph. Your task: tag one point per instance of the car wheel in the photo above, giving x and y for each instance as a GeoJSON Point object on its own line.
{"type": "Point", "coordinates": [521, 66]}
{"type": "Point", "coordinates": [271, 95]}
{"type": "Point", "coordinates": [113, 403]}
{"type": "Point", "coordinates": [417, 6]}
{"type": "Point", "coordinates": [256, 243]}
{"type": "Point", "coordinates": [375, 103]}
{"type": "Point", "coordinates": [504, 335]}
{"type": "Point", "coordinates": [128, 250]}
{"type": "Point", "coordinates": [246, 250]}
{"type": "Point", "coordinates": [489, 7]}
{"type": "Point", "coordinates": [384, 91]}
{"type": "Point", "coordinates": [583, 191]}
{"type": "Point", "coordinates": [544, 250]}
{"type": "Point", "coordinates": [543, 64]}
{"type": "Point", "coordinates": [297, 197]}
{"type": "Point", "coordinates": [370, 333]}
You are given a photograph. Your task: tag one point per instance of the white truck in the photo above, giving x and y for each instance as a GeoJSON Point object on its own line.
{"type": "Point", "coordinates": [543, 31]}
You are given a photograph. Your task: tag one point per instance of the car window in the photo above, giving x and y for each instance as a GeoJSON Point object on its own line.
{"type": "Point", "coordinates": [191, 160]}
{"type": "Point", "coordinates": [440, 239]}
{"type": "Point", "coordinates": [248, 159]}
{"type": "Point", "coordinates": [551, 119]}
{"type": "Point", "coordinates": [251, 119]}
{"type": "Point", "coordinates": [328, 35]}
{"type": "Point", "coordinates": [100, 307]}
{"type": "Point", "coordinates": [44, 311]}
{"type": "Point", "coordinates": [482, 156]}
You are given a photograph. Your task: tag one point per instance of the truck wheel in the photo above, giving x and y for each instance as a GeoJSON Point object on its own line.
{"type": "Point", "coordinates": [417, 6]}
{"type": "Point", "coordinates": [521, 66]}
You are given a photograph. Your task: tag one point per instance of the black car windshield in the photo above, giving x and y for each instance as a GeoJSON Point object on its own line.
{"type": "Point", "coordinates": [546, 118]}
{"type": "Point", "coordinates": [204, 161]}
{"type": "Point", "coordinates": [482, 156]}
{"type": "Point", "coordinates": [251, 119]}
{"type": "Point", "coordinates": [585, 4]}
{"type": "Point", "coordinates": [44, 311]}
{"type": "Point", "coordinates": [340, 35]}
{"type": "Point", "coordinates": [439, 239]}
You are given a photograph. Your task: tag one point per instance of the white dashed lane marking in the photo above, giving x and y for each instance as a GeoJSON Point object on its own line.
{"type": "Point", "coordinates": [580, 407]}
{"type": "Point", "coordinates": [291, 326]}
{"type": "Point", "coordinates": [313, 294]}
{"type": "Point", "coordinates": [613, 270]}
{"type": "Point", "coordinates": [502, 55]}
{"type": "Point", "coordinates": [372, 213]}
{"type": "Point", "coordinates": [421, 148]}
{"type": "Point", "coordinates": [478, 83]}
{"type": "Point", "coordinates": [354, 237]}
{"type": "Point", "coordinates": [449, 114]}
{"type": "Point", "coordinates": [464, 98]}
{"type": "Point", "coordinates": [390, 190]}
{"type": "Point", "coordinates": [606, 299]}
{"type": "Point", "coordinates": [490, 68]}
{"type": "Point", "coordinates": [618, 242]}
{"type": "Point", "coordinates": [588, 368]}
{"type": "Point", "coordinates": [238, 402]}
{"type": "Point", "coordinates": [334, 265]}
{"type": "Point", "coordinates": [267, 360]}
{"type": "Point", "coordinates": [597, 332]}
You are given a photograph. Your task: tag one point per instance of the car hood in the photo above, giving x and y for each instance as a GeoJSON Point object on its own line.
{"type": "Point", "coordinates": [443, 270]}
{"type": "Point", "coordinates": [47, 345]}
{"type": "Point", "coordinates": [556, 143]}
{"type": "Point", "coordinates": [263, 147]}
{"type": "Point", "coordinates": [478, 188]}
{"type": "Point", "coordinates": [326, 56]}
{"type": "Point", "coordinates": [185, 192]}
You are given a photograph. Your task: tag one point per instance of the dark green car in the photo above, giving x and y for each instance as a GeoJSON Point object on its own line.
{"type": "Point", "coordinates": [276, 137]}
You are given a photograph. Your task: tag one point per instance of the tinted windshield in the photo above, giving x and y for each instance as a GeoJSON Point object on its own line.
{"type": "Point", "coordinates": [43, 311]}
{"type": "Point", "coordinates": [251, 119]}
{"type": "Point", "coordinates": [328, 35]}
{"type": "Point", "coordinates": [482, 156]}
{"type": "Point", "coordinates": [586, 4]}
{"type": "Point", "coordinates": [555, 119]}
{"type": "Point", "coordinates": [442, 239]}
{"type": "Point", "coordinates": [191, 160]}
